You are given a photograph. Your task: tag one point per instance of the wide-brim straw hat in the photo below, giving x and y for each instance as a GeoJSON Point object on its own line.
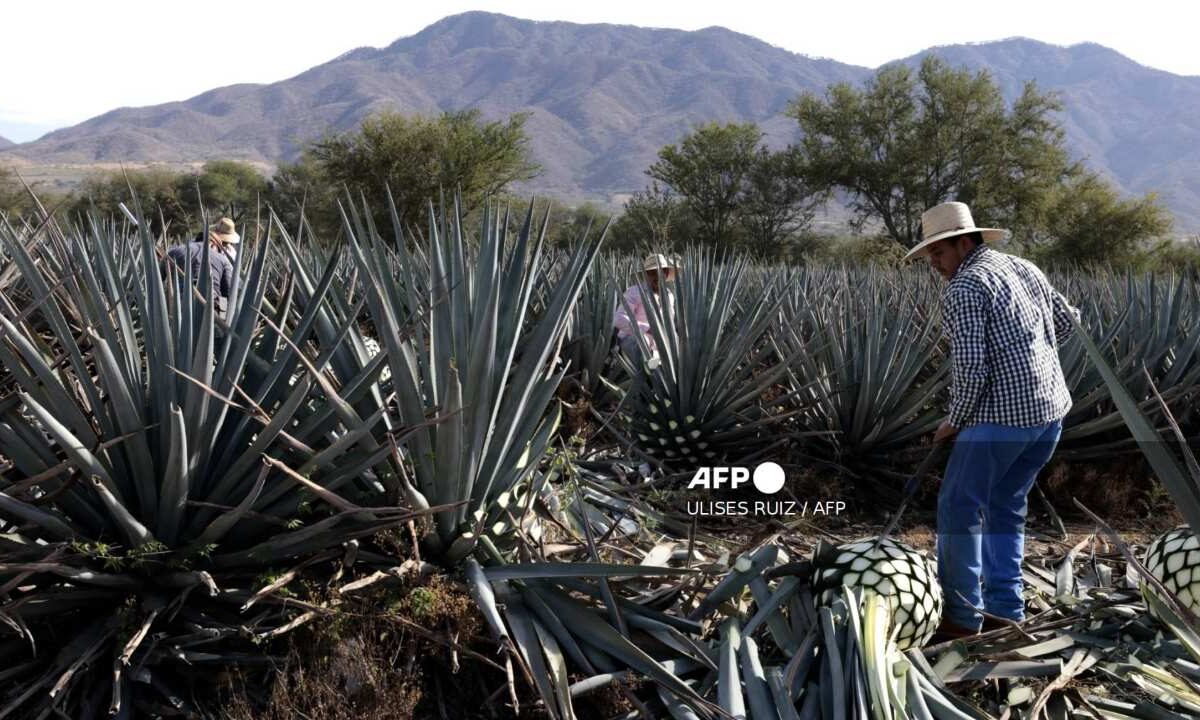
{"type": "Point", "coordinates": [950, 219]}
{"type": "Point", "coordinates": [225, 229]}
{"type": "Point", "coordinates": [659, 262]}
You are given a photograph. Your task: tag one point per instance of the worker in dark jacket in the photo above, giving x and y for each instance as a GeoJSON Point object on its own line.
{"type": "Point", "coordinates": [189, 258]}
{"type": "Point", "coordinates": [1005, 323]}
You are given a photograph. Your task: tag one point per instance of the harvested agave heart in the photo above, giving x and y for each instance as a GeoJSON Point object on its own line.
{"type": "Point", "coordinates": [895, 571]}
{"type": "Point", "coordinates": [374, 348]}
{"type": "Point", "coordinates": [1174, 560]}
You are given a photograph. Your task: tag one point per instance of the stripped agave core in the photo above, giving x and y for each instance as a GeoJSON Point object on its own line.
{"type": "Point", "coordinates": [1174, 560]}
{"type": "Point", "coordinates": [896, 571]}
{"type": "Point", "coordinates": [373, 347]}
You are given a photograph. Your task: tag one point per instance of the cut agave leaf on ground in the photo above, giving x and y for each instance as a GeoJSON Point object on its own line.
{"type": "Point", "coordinates": [594, 631]}
{"type": "Point", "coordinates": [762, 703]}
{"type": "Point", "coordinates": [1004, 669]}
{"type": "Point", "coordinates": [729, 680]}
{"type": "Point", "coordinates": [529, 641]}
{"type": "Point", "coordinates": [578, 570]}
{"type": "Point", "coordinates": [746, 568]}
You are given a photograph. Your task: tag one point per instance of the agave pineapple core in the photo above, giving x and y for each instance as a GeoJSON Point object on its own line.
{"type": "Point", "coordinates": [373, 348]}
{"type": "Point", "coordinates": [896, 572]}
{"type": "Point", "coordinates": [1174, 560]}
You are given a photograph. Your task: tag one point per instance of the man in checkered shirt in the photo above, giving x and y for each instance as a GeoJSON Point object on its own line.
{"type": "Point", "coordinates": [1005, 323]}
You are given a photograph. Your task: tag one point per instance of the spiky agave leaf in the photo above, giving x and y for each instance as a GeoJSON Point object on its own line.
{"type": "Point", "coordinates": [867, 362]}
{"type": "Point", "coordinates": [1142, 321]}
{"type": "Point", "coordinates": [137, 478]}
{"type": "Point", "coordinates": [1179, 474]}
{"type": "Point", "coordinates": [479, 358]}
{"type": "Point", "coordinates": [588, 346]}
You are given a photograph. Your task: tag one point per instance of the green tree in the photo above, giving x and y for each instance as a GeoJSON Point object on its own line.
{"type": "Point", "coordinates": [12, 195]}
{"type": "Point", "coordinates": [417, 157]}
{"type": "Point", "coordinates": [777, 202]}
{"type": "Point", "coordinates": [709, 169]}
{"type": "Point", "coordinates": [656, 217]}
{"type": "Point", "coordinates": [159, 190]}
{"type": "Point", "coordinates": [1180, 255]}
{"type": "Point", "coordinates": [303, 186]}
{"type": "Point", "coordinates": [734, 189]}
{"type": "Point", "coordinates": [1086, 221]}
{"type": "Point", "coordinates": [172, 198]}
{"type": "Point", "coordinates": [570, 224]}
{"type": "Point", "coordinates": [228, 188]}
{"type": "Point", "coordinates": [909, 141]}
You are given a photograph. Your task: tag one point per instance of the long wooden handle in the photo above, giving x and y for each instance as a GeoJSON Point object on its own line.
{"type": "Point", "coordinates": [910, 489]}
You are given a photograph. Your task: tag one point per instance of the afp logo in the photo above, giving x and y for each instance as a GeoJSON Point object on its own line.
{"type": "Point", "coordinates": [768, 478]}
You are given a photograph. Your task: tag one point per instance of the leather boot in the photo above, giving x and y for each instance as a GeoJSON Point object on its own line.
{"type": "Point", "coordinates": [948, 630]}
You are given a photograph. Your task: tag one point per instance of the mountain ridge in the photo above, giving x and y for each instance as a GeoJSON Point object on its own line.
{"type": "Point", "coordinates": [603, 98]}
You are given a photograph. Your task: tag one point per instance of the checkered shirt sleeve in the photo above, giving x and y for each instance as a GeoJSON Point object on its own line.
{"type": "Point", "coordinates": [1005, 323]}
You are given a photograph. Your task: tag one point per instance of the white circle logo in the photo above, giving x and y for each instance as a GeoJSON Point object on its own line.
{"type": "Point", "coordinates": [768, 478]}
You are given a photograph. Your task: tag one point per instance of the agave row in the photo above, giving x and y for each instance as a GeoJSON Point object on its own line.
{"type": "Point", "coordinates": [852, 367]}
{"type": "Point", "coordinates": [164, 463]}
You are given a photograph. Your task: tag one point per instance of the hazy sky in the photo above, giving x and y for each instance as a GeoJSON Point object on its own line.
{"type": "Point", "coordinates": [63, 62]}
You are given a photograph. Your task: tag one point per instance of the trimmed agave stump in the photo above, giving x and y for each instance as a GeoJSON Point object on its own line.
{"type": "Point", "coordinates": [1174, 560]}
{"type": "Point", "coordinates": [895, 571]}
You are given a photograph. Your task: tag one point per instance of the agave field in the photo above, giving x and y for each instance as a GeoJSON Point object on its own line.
{"type": "Point", "coordinates": [181, 491]}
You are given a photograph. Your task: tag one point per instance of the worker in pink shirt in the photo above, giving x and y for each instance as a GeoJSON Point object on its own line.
{"type": "Point", "coordinates": [630, 317]}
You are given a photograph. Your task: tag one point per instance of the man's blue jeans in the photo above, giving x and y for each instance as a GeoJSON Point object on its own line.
{"type": "Point", "coordinates": [981, 518]}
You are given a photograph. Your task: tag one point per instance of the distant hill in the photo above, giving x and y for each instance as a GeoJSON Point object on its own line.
{"type": "Point", "coordinates": [605, 98]}
{"type": "Point", "coordinates": [5, 142]}
{"type": "Point", "coordinates": [1137, 125]}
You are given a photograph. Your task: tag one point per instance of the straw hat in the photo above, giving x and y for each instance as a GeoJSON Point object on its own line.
{"type": "Point", "coordinates": [948, 220]}
{"type": "Point", "coordinates": [659, 262]}
{"type": "Point", "coordinates": [224, 228]}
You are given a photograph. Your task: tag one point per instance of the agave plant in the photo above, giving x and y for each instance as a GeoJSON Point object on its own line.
{"type": "Point", "coordinates": [162, 460]}
{"type": "Point", "coordinates": [1177, 470]}
{"type": "Point", "coordinates": [868, 363]}
{"type": "Point", "coordinates": [1148, 322]}
{"type": "Point", "coordinates": [710, 395]}
{"type": "Point", "coordinates": [478, 358]}
{"type": "Point", "coordinates": [588, 349]}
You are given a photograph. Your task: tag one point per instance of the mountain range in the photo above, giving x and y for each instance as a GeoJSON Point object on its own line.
{"type": "Point", "coordinates": [604, 98]}
{"type": "Point", "coordinates": [5, 142]}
